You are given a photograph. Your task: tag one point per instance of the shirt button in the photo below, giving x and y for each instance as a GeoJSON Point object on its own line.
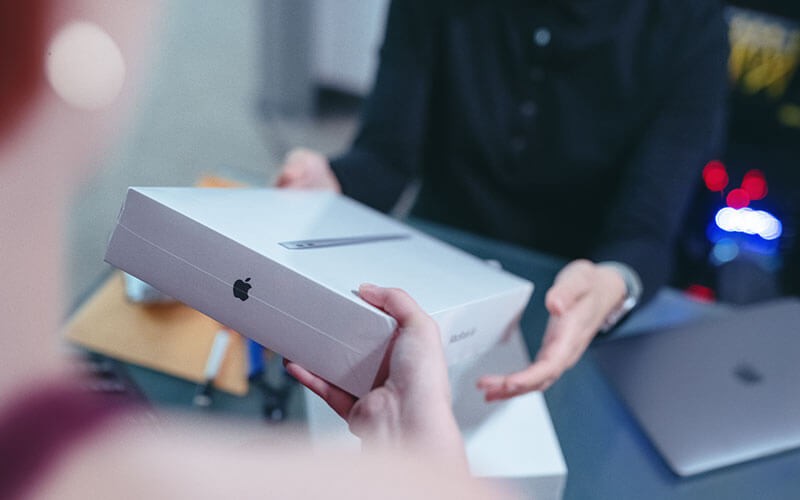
{"type": "Point", "coordinates": [528, 109]}
{"type": "Point", "coordinates": [541, 37]}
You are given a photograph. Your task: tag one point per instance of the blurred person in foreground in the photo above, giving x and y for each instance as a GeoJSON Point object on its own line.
{"type": "Point", "coordinates": [574, 127]}
{"type": "Point", "coordinates": [61, 441]}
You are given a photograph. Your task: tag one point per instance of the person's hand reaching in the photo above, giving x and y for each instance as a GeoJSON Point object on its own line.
{"type": "Point", "coordinates": [307, 169]}
{"type": "Point", "coordinates": [583, 296]}
{"type": "Point", "coordinates": [411, 408]}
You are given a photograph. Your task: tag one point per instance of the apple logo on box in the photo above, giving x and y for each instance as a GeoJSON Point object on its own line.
{"type": "Point", "coordinates": [241, 289]}
{"type": "Point", "coordinates": [747, 374]}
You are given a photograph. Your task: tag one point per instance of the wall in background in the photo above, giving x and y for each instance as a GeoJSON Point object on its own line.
{"type": "Point", "coordinates": [197, 111]}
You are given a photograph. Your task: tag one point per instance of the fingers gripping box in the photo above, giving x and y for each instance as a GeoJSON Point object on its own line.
{"type": "Point", "coordinates": [282, 268]}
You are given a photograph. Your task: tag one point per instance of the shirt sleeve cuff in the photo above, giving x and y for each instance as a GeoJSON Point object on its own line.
{"type": "Point", "coordinates": [365, 178]}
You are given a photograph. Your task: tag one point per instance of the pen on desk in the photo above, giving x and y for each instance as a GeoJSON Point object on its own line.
{"type": "Point", "coordinates": [215, 356]}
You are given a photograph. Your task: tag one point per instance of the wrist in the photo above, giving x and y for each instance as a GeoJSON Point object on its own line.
{"type": "Point", "coordinates": [631, 292]}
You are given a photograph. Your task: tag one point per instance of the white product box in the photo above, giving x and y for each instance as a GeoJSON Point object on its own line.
{"type": "Point", "coordinates": [282, 268]}
{"type": "Point", "coordinates": [512, 442]}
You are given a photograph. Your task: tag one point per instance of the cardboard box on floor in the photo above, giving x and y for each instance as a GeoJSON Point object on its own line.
{"type": "Point", "coordinates": [280, 266]}
{"type": "Point", "coordinates": [512, 442]}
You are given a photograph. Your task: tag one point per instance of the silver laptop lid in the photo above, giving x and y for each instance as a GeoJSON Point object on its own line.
{"type": "Point", "coordinates": [714, 393]}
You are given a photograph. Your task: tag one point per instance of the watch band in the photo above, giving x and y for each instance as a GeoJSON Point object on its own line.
{"type": "Point", "coordinates": [633, 292]}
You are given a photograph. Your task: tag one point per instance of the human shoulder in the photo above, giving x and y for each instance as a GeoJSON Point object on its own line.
{"type": "Point", "coordinates": [684, 28]}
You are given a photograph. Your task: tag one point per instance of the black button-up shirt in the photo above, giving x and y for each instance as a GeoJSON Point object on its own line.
{"type": "Point", "coordinates": [576, 127]}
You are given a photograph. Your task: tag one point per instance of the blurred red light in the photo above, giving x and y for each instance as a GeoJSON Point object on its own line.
{"type": "Point", "coordinates": [713, 165]}
{"type": "Point", "coordinates": [756, 187]}
{"type": "Point", "coordinates": [701, 292]}
{"type": "Point", "coordinates": [715, 176]}
{"type": "Point", "coordinates": [738, 198]}
{"type": "Point", "coordinates": [755, 184]}
{"type": "Point", "coordinates": [716, 180]}
{"type": "Point", "coordinates": [754, 173]}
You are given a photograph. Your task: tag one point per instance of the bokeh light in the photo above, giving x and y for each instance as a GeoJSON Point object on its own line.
{"type": "Point", "coordinates": [755, 184]}
{"type": "Point", "coordinates": [715, 176]}
{"type": "Point", "coordinates": [738, 198]}
{"type": "Point", "coordinates": [749, 221]}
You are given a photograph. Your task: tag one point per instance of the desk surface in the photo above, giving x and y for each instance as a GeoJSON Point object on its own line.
{"type": "Point", "coordinates": [607, 454]}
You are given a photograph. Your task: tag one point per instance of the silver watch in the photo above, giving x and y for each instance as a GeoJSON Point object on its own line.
{"type": "Point", "coordinates": [633, 292]}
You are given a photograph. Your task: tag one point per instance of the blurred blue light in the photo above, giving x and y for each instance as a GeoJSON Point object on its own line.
{"type": "Point", "coordinates": [724, 251]}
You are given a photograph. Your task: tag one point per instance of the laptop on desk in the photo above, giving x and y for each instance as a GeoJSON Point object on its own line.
{"type": "Point", "coordinates": [716, 392]}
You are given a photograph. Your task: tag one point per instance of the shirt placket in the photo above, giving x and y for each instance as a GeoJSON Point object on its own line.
{"type": "Point", "coordinates": [536, 41]}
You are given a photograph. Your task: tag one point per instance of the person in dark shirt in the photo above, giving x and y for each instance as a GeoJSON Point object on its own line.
{"type": "Point", "coordinates": [575, 127]}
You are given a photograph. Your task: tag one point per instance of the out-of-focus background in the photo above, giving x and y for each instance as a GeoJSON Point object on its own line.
{"type": "Point", "coordinates": [740, 241]}
{"type": "Point", "coordinates": [233, 85]}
